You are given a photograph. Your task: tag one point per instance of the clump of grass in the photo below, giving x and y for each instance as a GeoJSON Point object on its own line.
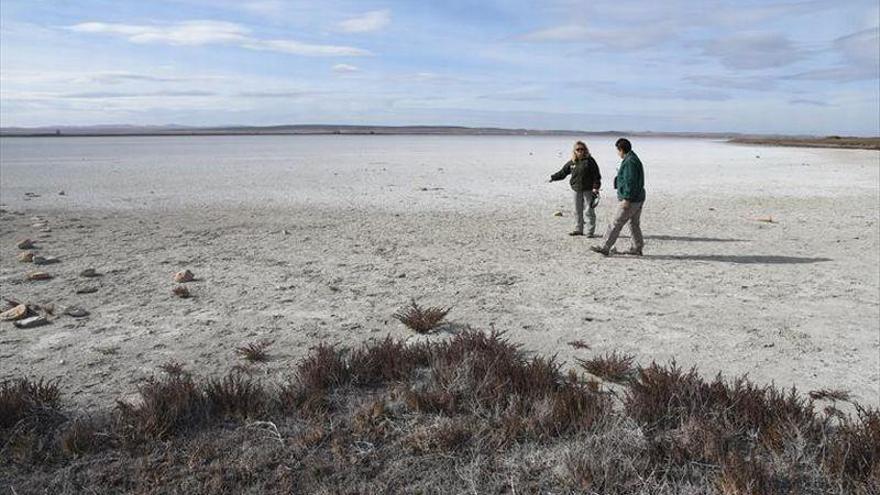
{"type": "Point", "coordinates": [24, 398]}
{"type": "Point", "coordinates": [168, 406]}
{"type": "Point", "coordinates": [613, 366]}
{"type": "Point", "coordinates": [419, 319]}
{"type": "Point", "coordinates": [387, 360]}
{"type": "Point", "coordinates": [173, 368]}
{"type": "Point", "coordinates": [29, 413]}
{"type": "Point", "coordinates": [236, 395]}
{"type": "Point", "coordinates": [83, 436]}
{"type": "Point", "coordinates": [254, 352]}
{"type": "Point", "coordinates": [830, 394]}
{"type": "Point", "coordinates": [579, 344]}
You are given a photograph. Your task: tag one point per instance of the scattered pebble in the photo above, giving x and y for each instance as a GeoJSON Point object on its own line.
{"type": "Point", "coordinates": [61, 193]}
{"type": "Point", "coordinates": [86, 290]}
{"type": "Point", "coordinates": [44, 260]}
{"type": "Point", "coordinates": [39, 225]}
{"type": "Point", "coordinates": [16, 313]}
{"type": "Point", "coordinates": [25, 244]}
{"type": "Point", "coordinates": [181, 292]}
{"type": "Point", "coordinates": [26, 257]}
{"type": "Point", "coordinates": [38, 276]}
{"type": "Point", "coordinates": [33, 321]}
{"type": "Point", "coordinates": [76, 312]}
{"type": "Point", "coordinates": [89, 273]}
{"type": "Point", "coordinates": [184, 276]}
{"type": "Point", "coordinates": [557, 213]}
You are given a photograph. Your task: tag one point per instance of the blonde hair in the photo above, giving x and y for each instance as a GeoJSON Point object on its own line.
{"type": "Point", "coordinates": [574, 155]}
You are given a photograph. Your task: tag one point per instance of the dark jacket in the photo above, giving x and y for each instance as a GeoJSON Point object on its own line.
{"type": "Point", "coordinates": [630, 180]}
{"type": "Point", "coordinates": [584, 174]}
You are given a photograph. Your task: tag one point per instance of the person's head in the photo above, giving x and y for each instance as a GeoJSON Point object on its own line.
{"type": "Point", "coordinates": [623, 146]}
{"type": "Point", "coordinates": [580, 151]}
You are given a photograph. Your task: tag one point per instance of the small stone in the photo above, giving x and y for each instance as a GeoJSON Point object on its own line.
{"type": "Point", "coordinates": [89, 273]}
{"type": "Point", "coordinates": [61, 193]}
{"type": "Point", "coordinates": [86, 290]}
{"type": "Point", "coordinates": [181, 292]}
{"type": "Point", "coordinates": [26, 257]}
{"type": "Point", "coordinates": [38, 276]}
{"type": "Point", "coordinates": [557, 213]}
{"type": "Point", "coordinates": [15, 313]}
{"type": "Point", "coordinates": [44, 260]}
{"type": "Point", "coordinates": [33, 321]}
{"type": "Point", "coordinates": [184, 276]}
{"type": "Point", "coordinates": [76, 312]}
{"type": "Point", "coordinates": [25, 244]}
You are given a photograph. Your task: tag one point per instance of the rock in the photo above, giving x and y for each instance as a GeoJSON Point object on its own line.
{"type": "Point", "coordinates": [76, 312]}
{"type": "Point", "coordinates": [44, 260]}
{"type": "Point", "coordinates": [557, 214]}
{"type": "Point", "coordinates": [86, 290]}
{"type": "Point", "coordinates": [181, 292]}
{"type": "Point", "coordinates": [61, 193]}
{"type": "Point", "coordinates": [39, 225]}
{"type": "Point", "coordinates": [38, 276]}
{"type": "Point", "coordinates": [33, 321]}
{"type": "Point", "coordinates": [25, 244]}
{"type": "Point", "coordinates": [89, 273]}
{"type": "Point", "coordinates": [26, 257]}
{"type": "Point", "coordinates": [15, 313]}
{"type": "Point", "coordinates": [184, 276]}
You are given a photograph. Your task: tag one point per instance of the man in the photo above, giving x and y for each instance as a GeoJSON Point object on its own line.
{"type": "Point", "coordinates": [630, 185]}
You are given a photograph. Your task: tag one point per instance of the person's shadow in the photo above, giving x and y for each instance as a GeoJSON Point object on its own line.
{"type": "Point", "coordinates": [690, 239]}
{"type": "Point", "coordinates": [745, 259]}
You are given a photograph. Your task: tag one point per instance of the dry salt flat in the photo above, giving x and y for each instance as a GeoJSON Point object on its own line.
{"type": "Point", "coordinates": [300, 240]}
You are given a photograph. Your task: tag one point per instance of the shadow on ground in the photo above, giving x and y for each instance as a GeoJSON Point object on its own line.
{"type": "Point", "coordinates": [690, 239]}
{"type": "Point", "coordinates": [747, 259]}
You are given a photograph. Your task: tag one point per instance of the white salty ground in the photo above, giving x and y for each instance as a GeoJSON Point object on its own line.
{"type": "Point", "coordinates": [301, 250]}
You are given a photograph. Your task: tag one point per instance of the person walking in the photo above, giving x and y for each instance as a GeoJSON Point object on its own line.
{"type": "Point", "coordinates": [585, 183]}
{"type": "Point", "coordinates": [630, 185]}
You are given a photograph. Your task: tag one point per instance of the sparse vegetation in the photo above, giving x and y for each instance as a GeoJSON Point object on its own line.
{"type": "Point", "coordinates": [613, 366]}
{"type": "Point", "coordinates": [254, 352]}
{"type": "Point", "coordinates": [419, 319]}
{"type": "Point", "coordinates": [579, 344]}
{"type": "Point", "coordinates": [471, 413]}
{"type": "Point", "coordinates": [830, 394]}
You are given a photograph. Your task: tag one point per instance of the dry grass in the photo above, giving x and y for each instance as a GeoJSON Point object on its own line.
{"type": "Point", "coordinates": [613, 367]}
{"type": "Point", "coordinates": [830, 394]}
{"type": "Point", "coordinates": [419, 319]}
{"type": "Point", "coordinates": [254, 352]}
{"type": "Point", "coordinates": [579, 344]}
{"type": "Point", "coordinates": [472, 413]}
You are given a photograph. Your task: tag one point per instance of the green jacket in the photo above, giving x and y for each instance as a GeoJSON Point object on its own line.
{"type": "Point", "coordinates": [630, 180]}
{"type": "Point", "coordinates": [584, 174]}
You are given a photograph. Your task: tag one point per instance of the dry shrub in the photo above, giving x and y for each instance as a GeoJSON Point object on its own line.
{"type": "Point", "coordinates": [853, 452]}
{"type": "Point", "coordinates": [613, 367]}
{"type": "Point", "coordinates": [830, 394]}
{"type": "Point", "coordinates": [446, 435]}
{"type": "Point", "coordinates": [168, 407]}
{"type": "Point", "coordinates": [387, 360]}
{"type": "Point", "coordinates": [321, 371]}
{"type": "Point", "coordinates": [29, 414]}
{"type": "Point", "coordinates": [254, 352]}
{"type": "Point", "coordinates": [750, 476]}
{"type": "Point", "coordinates": [172, 368]}
{"type": "Point", "coordinates": [419, 319]}
{"type": "Point", "coordinates": [83, 436]}
{"type": "Point", "coordinates": [21, 399]}
{"type": "Point", "coordinates": [236, 395]}
{"type": "Point", "coordinates": [579, 344]}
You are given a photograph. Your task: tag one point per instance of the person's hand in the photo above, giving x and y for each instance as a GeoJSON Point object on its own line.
{"type": "Point", "coordinates": [595, 191]}
{"type": "Point", "coordinates": [624, 203]}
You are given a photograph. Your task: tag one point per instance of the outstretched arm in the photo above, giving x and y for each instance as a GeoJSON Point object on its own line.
{"type": "Point", "coordinates": [563, 173]}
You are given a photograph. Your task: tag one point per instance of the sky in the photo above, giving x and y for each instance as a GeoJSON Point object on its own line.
{"type": "Point", "coordinates": [788, 67]}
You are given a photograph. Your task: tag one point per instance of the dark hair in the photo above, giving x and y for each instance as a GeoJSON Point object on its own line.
{"type": "Point", "coordinates": [624, 145]}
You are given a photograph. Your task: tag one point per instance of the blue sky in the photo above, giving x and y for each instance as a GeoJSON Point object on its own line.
{"type": "Point", "coordinates": [798, 67]}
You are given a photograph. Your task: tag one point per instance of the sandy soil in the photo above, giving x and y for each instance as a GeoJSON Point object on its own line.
{"type": "Point", "coordinates": [795, 302]}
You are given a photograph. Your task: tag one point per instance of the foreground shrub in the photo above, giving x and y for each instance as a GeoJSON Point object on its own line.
{"type": "Point", "coordinates": [613, 366]}
{"type": "Point", "coordinates": [419, 319]}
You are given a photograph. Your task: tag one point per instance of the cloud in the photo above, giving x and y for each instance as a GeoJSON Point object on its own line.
{"type": "Point", "coordinates": [803, 101]}
{"type": "Point", "coordinates": [375, 20]}
{"type": "Point", "coordinates": [733, 82]}
{"type": "Point", "coordinates": [649, 93]}
{"type": "Point", "coordinates": [345, 69]}
{"type": "Point", "coordinates": [860, 59]}
{"type": "Point", "coordinates": [520, 94]}
{"type": "Point", "coordinates": [277, 94]}
{"type": "Point", "coordinates": [752, 51]}
{"type": "Point", "coordinates": [113, 94]}
{"type": "Point", "coordinates": [212, 32]}
{"type": "Point", "coordinates": [614, 39]}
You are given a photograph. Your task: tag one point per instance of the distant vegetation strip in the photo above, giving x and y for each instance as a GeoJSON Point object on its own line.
{"type": "Point", "coordinates": [861, 143]}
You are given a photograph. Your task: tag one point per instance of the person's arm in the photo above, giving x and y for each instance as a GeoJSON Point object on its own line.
{"type": "Point", "coordinates": [563, 173]}
{"type": "Point", "coordinates": [597, 176]}
{"type": "Point", "coordinates": [624, 181]}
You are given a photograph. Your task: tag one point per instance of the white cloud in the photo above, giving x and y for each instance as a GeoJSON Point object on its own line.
{"type": "Point", "coordinates": [213, 32]}
{"type": "Point", "coordinates": [754, 51]}
{"type": "Point", "coordinates": [345, 69]}
{"type": "Point", "coordinates": [368, 22]}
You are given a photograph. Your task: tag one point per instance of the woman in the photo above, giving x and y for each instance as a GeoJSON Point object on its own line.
{"type": "Point", "coordinates": [585, 182]}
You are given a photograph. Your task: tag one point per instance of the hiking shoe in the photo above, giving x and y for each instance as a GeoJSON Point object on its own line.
{"type": "Point", "coordinates": [575, 233]}
{"type": "Point", "coordinates": [599, 249]}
